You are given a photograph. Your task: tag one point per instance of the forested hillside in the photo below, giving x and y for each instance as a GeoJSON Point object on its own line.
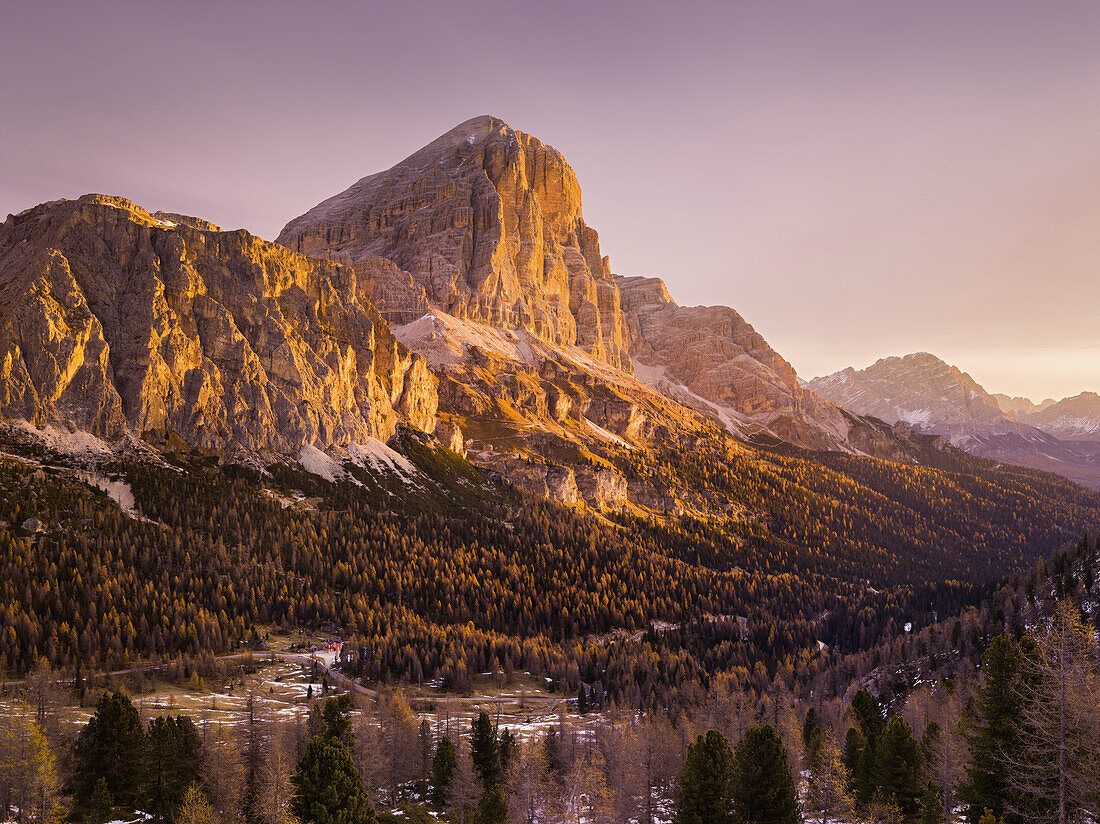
{"type": "Point", "coordinates": [446, 571]}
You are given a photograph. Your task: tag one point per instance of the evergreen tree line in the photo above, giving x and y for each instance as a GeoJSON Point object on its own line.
{"type": "Point", "coordinates": [1017, 741]}
{"type": "Point", "coordinates": [428, 589]}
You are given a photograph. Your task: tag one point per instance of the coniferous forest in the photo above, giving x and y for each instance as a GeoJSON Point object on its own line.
{"type": "Point", "coordinates": [806, 664]}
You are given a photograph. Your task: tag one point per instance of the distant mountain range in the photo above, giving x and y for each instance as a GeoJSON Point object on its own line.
{"type": "Point", "coordinates": [1072, 419]}
{"type": "Point", "coordinates": [935, 397]}
{"type": "Point", "coordinates": [460, 293]}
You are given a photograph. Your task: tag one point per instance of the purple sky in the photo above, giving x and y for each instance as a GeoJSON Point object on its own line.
{"type": "Point", "coordinates": [857, 179]}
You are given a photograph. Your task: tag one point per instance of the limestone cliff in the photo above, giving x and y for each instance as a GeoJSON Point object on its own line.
{"type": "Point", "coordinates": [114, 321]}
{"type": "Point", "coordinates": [485, 224]}
{"type": "Point", "coordinates": [709, 357]}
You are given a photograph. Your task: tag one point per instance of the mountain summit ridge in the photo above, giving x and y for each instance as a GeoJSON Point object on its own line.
{"type": "Point", "coordinates": [487, 221]}
{"type": "Point", "coordinates": [459, 292]}
{"type": "Point", "coordinates": [938, 398]}
{"type": "Point", "coordinates": [484, 224]}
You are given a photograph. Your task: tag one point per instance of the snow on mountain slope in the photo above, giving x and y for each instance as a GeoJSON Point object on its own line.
{"type": "Point", "coordinates": [935, 397]}
{"type": "Point", "coordinates": [1071, 419]}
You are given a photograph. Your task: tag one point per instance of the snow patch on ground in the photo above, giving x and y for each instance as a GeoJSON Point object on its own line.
{"type": "Point", "coordinates": [74, 444]}
{"type": "Point", "coordinates": [316, 462]}
{"type": "Point", "coordinates": [604, 434]}
{"type": "Point", "coordinates": [444, 339]}
{"type": "Point", "coordinates": [117, 490]}
{"type": "Point", "coordinates": [377, 456]}
{"type": "Point", "coordinates": [138, 819]}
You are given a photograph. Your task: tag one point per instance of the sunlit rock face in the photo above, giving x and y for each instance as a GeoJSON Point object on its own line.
{"type": "Point", "coordinates": [711, 358]}
{"type": "Point", "coordinates": [114, 321]}
{"type": "Point", "coordinates": [484, 224]}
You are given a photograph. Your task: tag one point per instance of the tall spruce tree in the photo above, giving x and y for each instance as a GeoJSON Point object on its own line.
{"type": "Point", "coordinates": [860, 749]}
{"type": "Point", "coordinates": [704, 792]}
{"type": "Point", "coordinates": [328, 788]}
{"type": "Point", "coordinates": [484, 751]}
{"type": "Point", "coordinates": [991, 730]}
{"type": "Point", "coordinates": [854, 742]}
{"type": "Point", "coordinates": [899, 767]}
{"type": "Point", "coordinates": [111, 746]}
{"type": "Point", "coordinates": [813, 741]}
{"type": "Point", "coordinates": [444, 764]}
{"type": "Point", "coordinates": [174, 763]}
{"type": "Point", "coordinates": [764, 791]}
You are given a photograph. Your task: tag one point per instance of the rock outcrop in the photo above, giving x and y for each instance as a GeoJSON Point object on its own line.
{"type": "Point", "coordinates": [709, 357]}
{"type": "Point", "coordinates": [115, 321]}
{"type": "Point", "coordinates": [484, 224]}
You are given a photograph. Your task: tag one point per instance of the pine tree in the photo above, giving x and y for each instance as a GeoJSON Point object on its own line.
{"type": "Point", "coordinates": [101, 803]}
{"type": "Point", "coordinates": [493, 807]}
{"type": "Point", "coordinates": [335, 721]}
{"type": "Point", "coordinates": [813, 739]}
{"type": "Point", "coordinates": [764, 791]}
{"type": "Point", "coordinates": [868, 714]}
{"type": "Point", "coordinates": [528, 783]}
{"type": "Point", "coordinates": [507, 749]}
{"type": "Point", "coordinates": [466, 790]}
{"type": "Point", "coordinates": [111, 746]}
{"type": "Point", "coordinates": [931, 805]}
{"type": "Point", "coordinates": [585, 793]}
{"type": "Point", "coordinates": [858, 761]}
{"type": "Point", "coordinates": [899, 767]}
{"type": "Point", "coordinates": [860, 750]}
{"type": "Point", "coordinates": [329, 790]}
{"type": "Point", "coordinates": [28, 773]}
{"type": "Point", "coordinates": [1056, 772]}
{"type": "Point", "coordinates": [174, 763]}
{"type": "Point", "coordinates": [704, 793]}
{"type": "Point", "coordinates": [827, 790]}
{"type": "Point", "coordinates": [195, 808]}
{"type": "Point", "coordinates": [484, 750]}
{"type": "Point", "coordinates": [444, 764]}
{"type": "Point", "coordinates": [276, 788]}
{"type": "Point", "coordinates": [991, 731]}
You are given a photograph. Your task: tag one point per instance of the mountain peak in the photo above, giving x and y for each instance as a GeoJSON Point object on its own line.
{"type": "Point", "coordinates": [487, 221]}
{"type": "Point", "coordinates": [920, 388]}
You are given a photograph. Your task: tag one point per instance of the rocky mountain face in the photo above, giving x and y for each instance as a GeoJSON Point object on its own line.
{"type": "Point", "coordinates": [460, 293]}
{"type": "Point", "coordinates": [710, 358]}
{"type": "Point", "coordinates": [482, 230]}
{"type": "Point", "coordinates": [484, 224]}
{"type": "Point", "coordinates": [118, 322]}
{"type": "Point", "coordinates": [934, 397]}
{"type": "Point", "coordinates": [919, 389]}
{"type": "Point", "coordinates": [476, 252]}
{"type": "Point", "coordinates": [1070, 419]}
